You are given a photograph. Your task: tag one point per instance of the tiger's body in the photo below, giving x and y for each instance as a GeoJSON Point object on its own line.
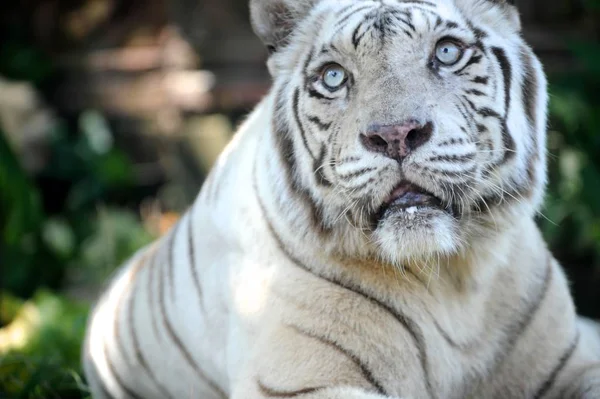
{"type": "Point", "coordinates": [337, 251]}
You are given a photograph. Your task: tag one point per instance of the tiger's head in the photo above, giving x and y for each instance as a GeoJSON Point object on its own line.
{"type": "Point", "coordinates": [408, 126]}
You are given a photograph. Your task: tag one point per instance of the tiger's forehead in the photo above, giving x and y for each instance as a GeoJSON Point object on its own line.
{"type": "Point", "coordinates": [369, 26]}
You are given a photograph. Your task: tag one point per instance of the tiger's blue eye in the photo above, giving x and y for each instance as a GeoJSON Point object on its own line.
{"type": "Point", "coordinates": [334, 76]}
{"type": "Point", "coordinates": [448, 53]}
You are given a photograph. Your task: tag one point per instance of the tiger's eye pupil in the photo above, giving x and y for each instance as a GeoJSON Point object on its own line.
{"type": "Point", "coordinates": [334, 76]}
{"type": "Point", "coordinates": [448, 53]}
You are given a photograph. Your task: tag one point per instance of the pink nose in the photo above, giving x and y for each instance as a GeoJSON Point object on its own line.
{"type": "Point", "coordinates": [397, 141]}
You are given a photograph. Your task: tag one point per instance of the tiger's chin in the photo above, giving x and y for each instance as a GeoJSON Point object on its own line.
{"type": "Point", "coordinates": [413, 224]}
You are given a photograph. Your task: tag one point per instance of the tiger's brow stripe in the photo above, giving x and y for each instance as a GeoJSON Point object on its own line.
{"type": "Point", "coordinates": [409, 325]}
{"type": "Point", "coordinates": [419, 2]}
{"type": "Point", "coordinates": [273, 393]}
{"type": "Point", "coordinates": [477, 32]}
{"type": "Point", "coordinates": [192, 255]}
{"type": "Point", "coordinates": [366, 373]}
{"type": "Point", "coordinates": [356, 36]}
{"type": "Point", "coordinates": [341, 23]}
{"type": "Point", "coordinates": [135, 339]}
{"type": "Point", "coordinates": [176, 340]}
{"type": "Point", "coordinates": [562, 362]}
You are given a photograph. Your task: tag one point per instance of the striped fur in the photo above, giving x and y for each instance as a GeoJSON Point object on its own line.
{"type": "Point", "coordinates": [288, 278]}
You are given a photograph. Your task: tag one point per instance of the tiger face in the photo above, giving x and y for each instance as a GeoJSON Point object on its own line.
{"type": "Point", "coordinates": [409, 126]}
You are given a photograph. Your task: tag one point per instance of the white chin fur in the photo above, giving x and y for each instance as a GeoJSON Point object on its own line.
{"type": "Point", "coordinates": [416, 235]}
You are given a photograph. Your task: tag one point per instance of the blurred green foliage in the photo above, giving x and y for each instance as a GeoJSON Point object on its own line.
{"type": "Point", "coordinates": [44, 362]}
{"type": "Point", "coordinates": [56, 226]}
{"type": "Point", "coordinates": [571, 221]}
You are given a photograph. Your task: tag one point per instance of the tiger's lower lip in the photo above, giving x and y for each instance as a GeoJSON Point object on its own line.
{"type": "Point", "coordinates": [410, 199]}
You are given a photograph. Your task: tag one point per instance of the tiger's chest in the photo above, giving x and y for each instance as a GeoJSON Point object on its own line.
{"type": "Point", "coordinates": [318, 331]}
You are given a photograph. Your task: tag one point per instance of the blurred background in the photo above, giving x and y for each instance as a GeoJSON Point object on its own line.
{"type": "Point", "coordinates": [113, 111]}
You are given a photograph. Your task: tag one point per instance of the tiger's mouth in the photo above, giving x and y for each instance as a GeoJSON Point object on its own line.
{"type": "Point", "coordinates": [409, 199]}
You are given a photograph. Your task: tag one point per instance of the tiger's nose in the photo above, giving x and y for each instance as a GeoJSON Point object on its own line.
{"type": "Point", "coordinates": [397, 141]}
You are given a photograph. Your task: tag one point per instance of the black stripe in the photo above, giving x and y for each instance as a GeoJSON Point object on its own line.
{"type": "Point", "coordinates": [533, 307]}
{"type": "Point", "coordinates": [453, 158]}
{"type": "Point", "coordinates": [320, 124]}
{"type": "Point", "coordinates": [420, 2]}
{"type": "Point", "coordinates": [530, 89]}
{"type": "Point", "coordinates": [315, 94]}
{"type": "Point", "coordinates": [356, 38]}
{"type": "Point", "coordinates": [366, 373]}
{"type": "Point", "coordinates": [509, 143]}
{"type": "Point", "coordinates": [175, 337]}
{"type": "Point", "coordinates": [357, 173]}
{"type": "Point", "coordinates": [192, 255]}
{"type": "Point", "coordinates": [308, 76]}
{"type": "Point", "coordinates": [475, 59]}
{"type": "Point", "coordinates": [521, 324]}
{"type": "Point", "coordinates": [91, 371]}
{"type": "Point", "coordinates": [580, 385]}
{"type": "Point", "coordinates": [452, 141]}
{"type": "Point", "coordinates": [562, 362]}
{"type": "Point", "coordinates": [113, 370]}
{"type": "Point", "coordinates": [285, 147]}
{"type": "Point", "coordinates": [137, 348]}
{"type": "Point", "coordinates": [153, 269]}
{"type": "Point", "coordinates": [128, 290]}
{"type": "Point", "coordinates": [273, 393]}
{"type": "Point", "coordinates": [486, 112]}
{"type": "Point", "coordinates": [171, 264]}
{"type": "Point", "coordinates": [409, 325]}
{"type": "Point", "coordinates": [351, 14]}
{"type": "Point", "coordinates": [296, 109]}
{"type": "Point", "coordinates": [506, 69]}
{"type": "Point", "coordinates": [505, 66]}
{"type": "Point", "coordinates": [477, 32]}
{"type": "Point", "coordinates": [475, 92]}
{"type": "Point", "coordinates": [320, 177]}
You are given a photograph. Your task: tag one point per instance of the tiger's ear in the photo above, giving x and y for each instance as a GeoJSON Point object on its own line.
{"type": "Point", "coordinates": [274, 20]}
{"type": "Point", "coordinates": [510, 11]}
{"type": "Point", "coordinates": [498, 13]}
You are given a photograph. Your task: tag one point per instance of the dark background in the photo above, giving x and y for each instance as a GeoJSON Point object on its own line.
{"type": "Point", "coordinates": [112, 112]}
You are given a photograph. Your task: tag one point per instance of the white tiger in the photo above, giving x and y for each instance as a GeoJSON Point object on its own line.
{"type": "Point", "coordinates": [369, 232]}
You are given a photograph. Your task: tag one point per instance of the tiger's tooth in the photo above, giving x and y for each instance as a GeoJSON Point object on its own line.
{"type": "Point", "coordinates": [411, 210]}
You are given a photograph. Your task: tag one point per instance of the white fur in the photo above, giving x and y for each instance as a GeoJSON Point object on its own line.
{"type": "Point", "coordinates": [293, 303]}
